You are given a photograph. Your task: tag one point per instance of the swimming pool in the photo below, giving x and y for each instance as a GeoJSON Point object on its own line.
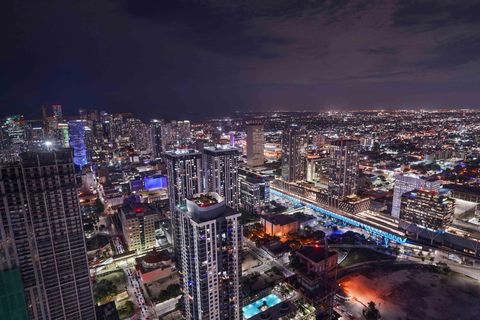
{"type": "Point", "coordinates": [254, 308]}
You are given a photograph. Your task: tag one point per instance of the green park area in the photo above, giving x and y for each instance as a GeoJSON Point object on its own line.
{"type": "Point", "coordinates": [360, 255]}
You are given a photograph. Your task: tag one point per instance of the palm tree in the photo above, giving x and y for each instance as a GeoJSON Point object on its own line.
{"type": "Point", "coordinates": [371, 312]}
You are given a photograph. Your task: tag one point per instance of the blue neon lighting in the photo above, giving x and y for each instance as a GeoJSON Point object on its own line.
{"type": "Point", "coordinates": [385, 235]}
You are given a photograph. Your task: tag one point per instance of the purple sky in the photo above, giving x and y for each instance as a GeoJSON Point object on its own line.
{"type": "Point", "coordinates": [189, 59]}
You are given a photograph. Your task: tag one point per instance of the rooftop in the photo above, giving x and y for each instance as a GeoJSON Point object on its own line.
{"type": "Point", "coordinates": [204, 200]}
{"type": "Point", "coordinates": [280, 219]}
{"type": "Point", "coordinates": [316, 253]}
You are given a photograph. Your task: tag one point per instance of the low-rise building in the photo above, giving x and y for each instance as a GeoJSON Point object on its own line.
{"type": "Point", "coordinates": [279, 225]}
{"type": "Point", "coordinates": [428, 209]}
{"type": "Point", "coordinates": [138, 223]}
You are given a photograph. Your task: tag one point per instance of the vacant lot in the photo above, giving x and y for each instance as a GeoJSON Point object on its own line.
{"type": "Point", "coordinates": [416, 293]}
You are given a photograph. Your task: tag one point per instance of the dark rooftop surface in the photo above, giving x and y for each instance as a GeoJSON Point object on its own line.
{"type": "Point", "coordinates": [315, 253]}
{"type": "Point", "coordinates": [280, 219]}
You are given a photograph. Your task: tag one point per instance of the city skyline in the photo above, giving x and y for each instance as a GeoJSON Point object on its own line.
{"type": "Point", "coordinates": [240, 160]}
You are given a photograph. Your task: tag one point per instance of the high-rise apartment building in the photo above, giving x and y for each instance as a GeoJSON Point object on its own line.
{"type": "Point", "coordinates": [41, 234]}
{"type": "Point", "coordinates": [293, 155]}
{"type": "Point", "coordinates": [254, 190]}
{"type": "Point", "coordinates": [255, 144]}
{"type": "Point", "coordinates": [156, 136]}
{"type": "Point", "coordinates": [406, 182]}
{"type": "Point", "coordinates": [428, 209]}
{"type": "Point", "coordinates": [221, 172]}
{"type": "Point", "coordinates": [183, 132]}
{"type": "Point", "coordinates": [343, 168]}
{"type": "Point", "coordinates": [184, 168]}
{"type": "Point", "coordinates": [210, 257]}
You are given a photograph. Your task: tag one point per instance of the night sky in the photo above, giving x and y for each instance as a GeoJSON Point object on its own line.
{"type": "Point", "coordinates": [191, 59]}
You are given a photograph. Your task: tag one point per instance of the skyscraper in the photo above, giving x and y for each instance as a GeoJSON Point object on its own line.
{"type": "Point", "coordinates": [156, 136]}
{"type": "Point", "coordinates": [183, 133]}
{"type": "Point", "coordinates": [41, 235]}
{"type": "Point", "coordinates": [293, 155]}
{"type": "Point", "coordinates": [57, 111]}
{"type": "Point", "coordinates": [254, 190]}
{"type": "Point", "coordinates": [221, 172]}
{"type": "Point", "coordinates": [76, 135]}
{"type": "Point", "coordinates": [184, 168]}
{"type": "Point", "coordinates": [12, 137]}
{"type": "Point", "coordinates": [211, 242]}
{"type": "Point", "coordinates": [255, 144]}
{"type": "Point", "coordinates": [407, 182]}
{"type": "Point", "coordinates": [343, 168]}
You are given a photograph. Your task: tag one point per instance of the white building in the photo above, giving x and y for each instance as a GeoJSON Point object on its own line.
{"type": "Point", "coordinates": [406, 182]}
{"type": "Point", "coordinates": [211, 269]}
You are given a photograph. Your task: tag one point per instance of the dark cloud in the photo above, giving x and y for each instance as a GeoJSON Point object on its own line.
{"type": "Point", "coordinates": [187, 58]}
{"type": "Point", "coordinates": [434, 14]}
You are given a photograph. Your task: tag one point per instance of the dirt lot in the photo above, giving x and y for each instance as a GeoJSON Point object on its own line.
{"type": "Point", "coordinates": [413, 294]}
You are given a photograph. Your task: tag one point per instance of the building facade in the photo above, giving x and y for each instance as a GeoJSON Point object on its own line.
{"type": "Point", "coordinates": [254, 191]}
{"type": "Point", "coordinates": [293, 160]}
{"type": "Point", "coordinates": [407, 182]}
{"type": "Point", "coordinates": [427, 209]}
{"type": "Point", "coordinates": [255, 145]}
{"type": "Point", "coordinates": [184, 170]}
{"type": "Point", "coordinates": [138, 222]}
{"type": "Point", "coordinates": [221, 172]}
{"type": "Point", "coordinates": [156, 136]}
{"type": "Point", "coordinates": [343, 169]}
{"type": "Point", "coordinates": [211, 268]}
{"type": "Point", "coordinates": [41, 234]}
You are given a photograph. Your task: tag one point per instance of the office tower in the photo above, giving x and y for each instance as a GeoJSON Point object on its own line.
{"type": "Point", "coordinates": [407, 182]}
{"type": "Point", "coordinates": [183, 132]}
{"type": "Point", "coordinates": [255, 144]}
{"type": "Point", "coordinates": [138, 224]}
{"type": "Point", "coordinates": [184, 170]}
{"type": "Point", "coordinates": [254, 190]}
{"type": "Point", "coordinates": [211, 269]}
{"type": "Point", "coordinates": [62, 135]}
{"type": "Point", "coordinates": [76, 132]}
{"type": "Point", "coordinates": [317, 168]}
{"type": "Point", "coordinates": [427, 209]}
{"type": "Point", "coordinates": [57, 111]}
{"type": "Point", "coordinates": [13, 137]}
{"type": "Point", "coordinates": [35, 135]}
{"type": "Point", "coordinates": [343, 168]}
{"type": "Point", "coordinates": [293, 155]}
{"type": "Point", "coordinates": [221, 172]}
{"type": "Point", "coordinates": [156, 136]}
{"type": "Point", "coordinates": [41, 235]}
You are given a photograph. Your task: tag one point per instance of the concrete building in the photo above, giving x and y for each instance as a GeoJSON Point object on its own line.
{"type": "Point", "coordinates": [343, 169]}
{"type": "Point", "coordinates": [255, 144]}
{"type": "Point", "coordinates": [138, 223]}
{"type": "Point", "coordinates": [211, 241]}
{"type": "Point", "coordinates": [406, 182]}
{"type": "Point", "coordinates": [316, 274]}
{"type": "Point", "coordinates": [156, 136]}
{"type": "Point", "coordinates": [279, 225]}
{"type": "Point", "coordinates": [220, 165]}
{"type": "Point", "coordinates": [184, 170]}
{"type": "Point", "coordinates": [254, 191]}
{"type": "Point", "coordinates": [427, 209]}
{"type": "Point", "coordinates": [41, 235]}
{"type": "Point", "coordinates": [293, 162]}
